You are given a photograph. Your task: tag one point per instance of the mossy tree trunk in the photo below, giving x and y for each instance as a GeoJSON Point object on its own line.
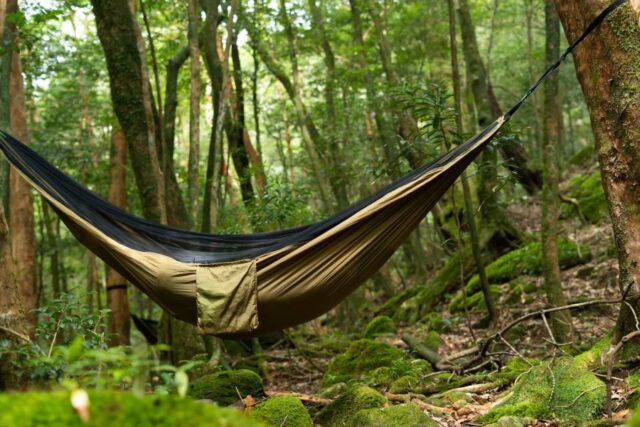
{"type": "Point", "coordinates": [608, 68]}
{"type": "Point", "coordinates": [120, 37]}
{"type": "Point", "coordinates": [560, 321]}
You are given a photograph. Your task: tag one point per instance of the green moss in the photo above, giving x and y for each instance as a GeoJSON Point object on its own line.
{"type": "Point", "coordinates": [563, 390]}
{"type": "Point", "coordinates": [432, 340]}
{"type": "Point", "coordinates": [436, 322]}
{"type": "Point", "coordinates": [588, 191]}
{"type": "Point", "coordinates": [283, 411]}
{"type": "Point", "coordinates": [386, 376]}
{"type": "Point", "coordinates": [361, 357]}
{"type": "Point", "coordinates": [404, 384]}
{"type": "Point", "coordinates": [394, 416]}
{"type": "Point", "coordinates": [341, 411]}
{"type": "Point", "coordinates": [512, 421]}
{"type": "Point", "coordinates": [595, 357]}
{"type": "Point", "coordinates": [475, 300]}
{"type": "Point", "coordinates": [223, 387]}
{"type": "Point", "coordinates": [527, 260]}
{"type": "Point", "coordinates": [111, 408]}
{"type": "Point", "coordinates": [633, 382]}
{"type": "Point", "coordinates": [584, 157]}
{"type": "Point", "coordinates": [379, 326]}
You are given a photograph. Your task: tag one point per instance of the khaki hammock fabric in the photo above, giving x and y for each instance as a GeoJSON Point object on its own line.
{"type": "Point", "coordinates": [245, 285]}
{"type": "Point", "coordinates": [276, 289]}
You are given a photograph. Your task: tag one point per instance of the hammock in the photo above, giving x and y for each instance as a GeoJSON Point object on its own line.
{"type": "Point", "coordinates": [246, 285]}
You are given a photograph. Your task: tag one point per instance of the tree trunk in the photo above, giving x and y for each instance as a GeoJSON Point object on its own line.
{"type": "Point", "coordinates": [120, 37]}
{"type": "Point", "coordinates": [117, 299]}
{"type": "Point", "coordinates": [492, 215]}
{"type": "Point", "coordinates": [468, 204]}
{"type": "Point", "coordinates": [176, 210]}
{"type": "Point", "coordinates": [194, 111]}
{"type": "Point", "coordinates": [607, 65]}
{"type": "Point", "coordinates": [561, 321]}
{"type": "Point", "coordinates": [337, 177]}
{"type": "Point", "coordinates": [20, 201]}
{"type": "Point", "coordinates": [14, 325]}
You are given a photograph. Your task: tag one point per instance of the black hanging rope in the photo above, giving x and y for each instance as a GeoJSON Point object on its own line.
{"type": "Point", "coordinates": [595, 24]}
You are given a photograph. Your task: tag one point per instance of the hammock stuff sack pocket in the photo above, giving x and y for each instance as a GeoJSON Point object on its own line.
{"type": "Point", "coordinates": [227, 297]}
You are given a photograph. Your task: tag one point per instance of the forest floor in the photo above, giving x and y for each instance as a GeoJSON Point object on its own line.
{"type": "Point", "coordinates": [300, 369]}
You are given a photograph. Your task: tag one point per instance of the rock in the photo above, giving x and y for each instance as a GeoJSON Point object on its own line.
{"type": "Point", "coordinates": [115, 408]}
{"type": "Point", "coordinates": [341, 411]}
{"type": "Point", "coordinates": [408, 415]}
{"type": "Point", "coordinates": [283, 411]}
{"type": "Point", "coordinates": [361, 357]}
{"type": "Point", "coordinates": [564, 390]}
{"type": "Point", "coordinates": [223, 387]}
{"type": "Point", "coordinates": [405, 384]}
{"type": "Point", "coordinates": [379, 326]}
{"type": "Point", "coordinates": [333, 391]}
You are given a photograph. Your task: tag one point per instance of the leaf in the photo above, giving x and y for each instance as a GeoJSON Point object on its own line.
{"type": "Point", "coordinates": [182, 382]}
{"type": "Point", "coordinates": [75, 349]}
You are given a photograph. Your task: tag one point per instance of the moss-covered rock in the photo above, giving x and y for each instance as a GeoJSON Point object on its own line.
{"type": "Point", "coordinates": [595, 357]}
{"type": "Point", "coordinates": [223, 387]}
{"type": "Point", "coordinates": [111, 408]}
{"type": "Point", "coordinates": [512, 421]}
{"type": "Point", "coordinates": [408, 415]}
{"type": "Point", "coordinates": [333, 391]}
{"type": "Point", "coordinates": [562, 390]}
{"type": "Point", "coordinates": [361, 357]}
{"type": "Point", "coordinates": [437, 322]}
{"type": "Point", "coordinates": [527, 260]}
{"type": "Point", "coordinates": [379, 326]}
{"type": "Point", "coordinates": [588, 191]}
{"type": "Point", "coordinates": [341, 411]}
{"type": "Point", "coordinates": [283, 411]}
{"type": "Point", "coordinates": [475, 300]}
{"type": "Point", "coordinates": [432, 341]}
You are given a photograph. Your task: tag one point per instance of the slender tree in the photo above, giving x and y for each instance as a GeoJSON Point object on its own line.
{"type": "Point", "coordinates": [607, 66]}
{"type": "Point", "coordinates": [117, 299]}
{"type": "Point", "coordinates": [194, 110]}
{"type": "Point", "coordinates": [560, 321]}
{"type": "Point", "coordinates": [468, 203]}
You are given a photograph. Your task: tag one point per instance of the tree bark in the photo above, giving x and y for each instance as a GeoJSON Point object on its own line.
{"type": "Point", "coordinates": [487, 110]}
{"type": "Point", "coordinates": [608, 65]}
{"type": "Point", "coordinates": [20, 201]}
{"type": "Point", "coordinates": [337, 177]}
{"type": "Point", "coordinates": [560, 321]}
{"type": "Point", "coordinates": [466, 191]}
{"type": "Point", "coordinates": [118, 326]}
{"type": "Point", "coordinates": [120, 38]}
{"type": "Point", "coordinates": [194, 111]}
{"type": "Point", "coordinates": [13, 322]}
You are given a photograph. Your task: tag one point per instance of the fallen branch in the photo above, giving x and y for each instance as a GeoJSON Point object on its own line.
{"type": "Point", "coordinates": [418, 400]}
{"type": "Point", "coordinates": [16, 334]}
{"type": "Point", "coordinates": [426, 353]}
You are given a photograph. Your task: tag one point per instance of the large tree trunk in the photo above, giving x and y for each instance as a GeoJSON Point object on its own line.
{"type": "Point", "coordinates": [117, 300]}
{"type": "Point", "coordinates": [120, 37]}
{"type": "Point", "coordinates": [13, 323]}
{"type": "Point", "coordinates": [20, 200]}
{"type": "Point", "coordinates": [608, 65]}
{"type": "Point", "coordinates": [560, 321]}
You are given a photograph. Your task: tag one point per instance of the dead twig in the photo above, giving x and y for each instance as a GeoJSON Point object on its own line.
{"type": "Point", "coordinates": [307, 398]}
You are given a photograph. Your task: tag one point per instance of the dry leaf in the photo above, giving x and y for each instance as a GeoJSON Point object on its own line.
{"type": "Point", "coordinates": [80, 403]}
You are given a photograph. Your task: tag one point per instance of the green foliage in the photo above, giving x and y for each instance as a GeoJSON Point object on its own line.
{"type": "Point", "coordinates": [473, 301]}
{"type": "Point", "coordinates": [432, 340]}
{"type": "Point", "coordinates": [584, 157]}
{"type": "Point", "coordinates": [588, 191]}
{"type": "Point", "coordinates": [563, 390]}
{"type": "Point", "coordinates": [407, 415]}
{"type": "Point", "coordinates": [227, 387]}
{"type": "Point", "coordinates": [112, 408]}
{"type": "Point", "coordinates": [379, 326]}
{"type": "Point", "coordinates": [437, 322]}
{"type": "Point", "coordinates": [283, 411]}
{"type": "Point", "coordinates": [341, 411]}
